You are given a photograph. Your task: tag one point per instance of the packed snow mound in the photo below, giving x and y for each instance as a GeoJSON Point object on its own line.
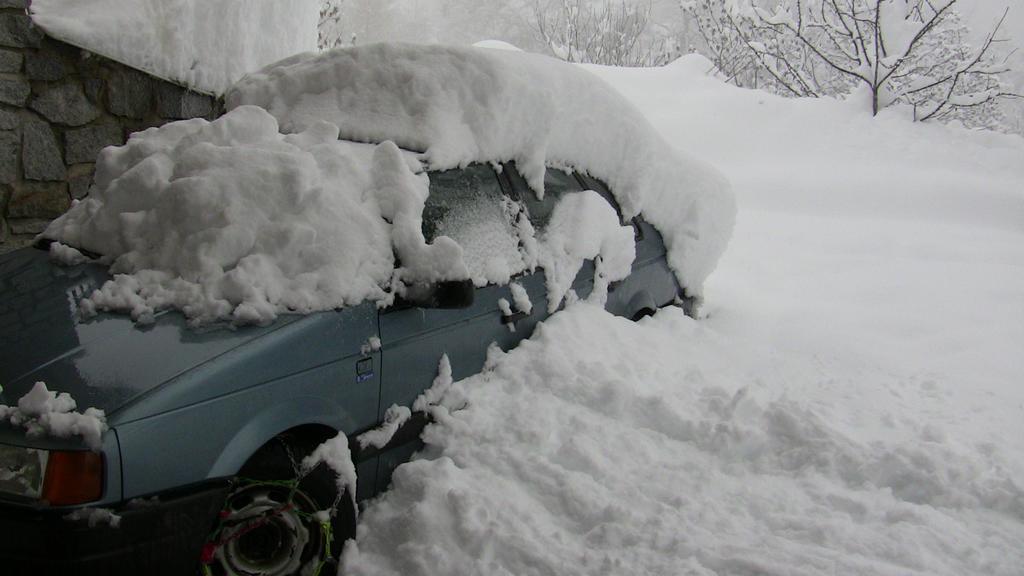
{"type": "Point", "coordinates": [584, 227]}
{"type": "Point", "coordinates": [42, 412]}
{"type": "Point", "coordinates": [204, 44]}
{"type": "Point", "coordinates": [604, 446]}
{"type": "Point", "coordinates": [335, 453]}
{"type": "Point", "coordinates": [232, 220]}
{"type": "Point", "coordinates": [463, 105]}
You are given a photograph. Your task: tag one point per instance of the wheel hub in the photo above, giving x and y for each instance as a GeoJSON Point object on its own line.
{"type": "Point", "coordinates": [266, 533]}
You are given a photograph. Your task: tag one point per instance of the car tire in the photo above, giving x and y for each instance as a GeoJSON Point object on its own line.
{"type": "Point", "coordinates": [271, 523]}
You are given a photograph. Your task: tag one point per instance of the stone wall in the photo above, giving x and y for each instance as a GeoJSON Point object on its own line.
{"type": "Point", "coordinates": [59, 106]}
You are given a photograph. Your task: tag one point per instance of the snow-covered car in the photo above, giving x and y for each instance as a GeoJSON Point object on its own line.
{"type": "Point", "coordinates": [298, 301]}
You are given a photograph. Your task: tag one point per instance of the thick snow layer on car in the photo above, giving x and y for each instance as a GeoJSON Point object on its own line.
{"type": "Point", "coordinates": [394, 418]}
{"type": "Point", "coordinates": [204, 44]}
{"type": "Point", "coordinates": [584, 227]}
{"type": "Point", "coordinates": [42, 412]}
{"type": "Point", "coordinates": [464, 105]}
{"type": "Point", "coordinates": [232, 220]}
{"type": "Point", "coordinates": [442, 382]}
{"type": "Point", "coordinates": [335, 454]}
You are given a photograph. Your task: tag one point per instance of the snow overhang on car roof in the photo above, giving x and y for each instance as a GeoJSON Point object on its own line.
{"type": "Point", "coordinates": [465, 104]}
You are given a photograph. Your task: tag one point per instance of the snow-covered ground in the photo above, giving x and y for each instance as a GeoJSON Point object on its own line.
{"type": "Point", "coordinates": [851, 404]}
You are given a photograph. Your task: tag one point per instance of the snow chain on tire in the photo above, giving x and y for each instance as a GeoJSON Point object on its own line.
{"type": "Point", "coordinates": [214, 542]}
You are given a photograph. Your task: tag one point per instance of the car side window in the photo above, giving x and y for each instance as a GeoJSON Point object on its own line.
{"type": "Point", "coordinates": [469, 206]}
{"type": "Point", "coordinates": [601, 188]}
{"type": "Point", "coordinates": [556, 185]}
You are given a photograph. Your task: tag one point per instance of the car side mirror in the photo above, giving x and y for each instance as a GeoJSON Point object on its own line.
{"type": "Point", "coordinates": [447, 295]}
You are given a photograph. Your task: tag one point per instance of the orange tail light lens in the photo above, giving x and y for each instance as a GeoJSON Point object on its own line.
{"type": "Point", "coordinates": [73, 478]}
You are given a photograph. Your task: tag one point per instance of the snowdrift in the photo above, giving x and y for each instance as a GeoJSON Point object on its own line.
{"type": "Point", "coordinates": [851, 404]}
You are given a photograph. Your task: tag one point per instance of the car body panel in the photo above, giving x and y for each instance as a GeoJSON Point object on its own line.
{"type": "Point", "coordinates": [304, 373]}
{"type": "Point", "coordinates": [105, 362]}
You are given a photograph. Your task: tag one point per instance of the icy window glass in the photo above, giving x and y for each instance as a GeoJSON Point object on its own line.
{"type": "Point", "coordinates": [469, 207]}
{"type": "Point", "coordinates": [556, 185]}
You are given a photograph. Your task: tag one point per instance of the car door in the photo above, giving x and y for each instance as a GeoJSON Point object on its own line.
{"type": "Point", "coordinates": [473, 206]}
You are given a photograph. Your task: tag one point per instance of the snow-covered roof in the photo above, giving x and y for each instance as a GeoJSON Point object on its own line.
{"type": "Point", "coordinates": [265, 210]}
{"type": "Point", "coordinates": [204, 44]}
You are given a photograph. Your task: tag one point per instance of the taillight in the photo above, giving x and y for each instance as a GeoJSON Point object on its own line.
{"type": "Point", "coordinates": [73, 478]}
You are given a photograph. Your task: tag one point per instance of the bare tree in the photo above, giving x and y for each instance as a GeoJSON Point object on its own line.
{"type": "Point", "coordinates": [611, 32]}
{"type": "Point", "coordinates": [726, 48]}
{"type": "Point", "coordinates": [903, 51]}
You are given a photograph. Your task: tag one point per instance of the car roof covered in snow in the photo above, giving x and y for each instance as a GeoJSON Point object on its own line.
{"type": "Point", "coordinates": [300, 198]}
{"type": "Point", "coordinates": [466, 104]}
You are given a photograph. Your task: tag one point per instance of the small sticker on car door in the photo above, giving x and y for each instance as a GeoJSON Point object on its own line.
{"type": "Point", "coordinates": [364, 370]}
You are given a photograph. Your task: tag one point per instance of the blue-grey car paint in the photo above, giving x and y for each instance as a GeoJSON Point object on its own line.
{"type": "Point", "coordinates": [188, 406]}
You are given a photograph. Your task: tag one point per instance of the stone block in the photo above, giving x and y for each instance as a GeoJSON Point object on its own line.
{"type": "Point", "coordinates": [45, 65]}
{"type": "Point", "coordinates": [80, 179]}
{"type": "Point", "coordinates": [9, 145]}
{"type": "Point", "coordinates": [38, 200]}
{"type": "Point", "coordinates": [14, 91]}
{"type": "Point", "coordinates": [93, 89]}
{"type": "Point", "coordinates": [9, 120]}
{"type": "Point", "coordinates": [178, 103]}
{"type": "Point", "coordinates": [31, 226]}
{"type": "Point", "coordinates": [83, 144]}
{"type": "Point", "coordinates": [15, 242]}
{"type": "Point", "coordinates": [65, 104]}
{"type": "Point", "coordinates": [10, 61]}
{"type": "Point", "coordinates": [17, 31]}
{"type": "Point", "coordinates": [40, 154]}
{"type": "Point", "coordinates": [130, 93]}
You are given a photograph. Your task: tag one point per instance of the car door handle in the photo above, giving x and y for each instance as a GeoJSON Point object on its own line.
{"type": "Point", "coordinates": [513, 318]}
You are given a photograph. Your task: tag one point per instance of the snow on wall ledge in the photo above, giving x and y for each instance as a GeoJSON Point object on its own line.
{"type": "Point", "coordinates": [204, 44]}
{"type": "Point", "coordinates": [462, 105]}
